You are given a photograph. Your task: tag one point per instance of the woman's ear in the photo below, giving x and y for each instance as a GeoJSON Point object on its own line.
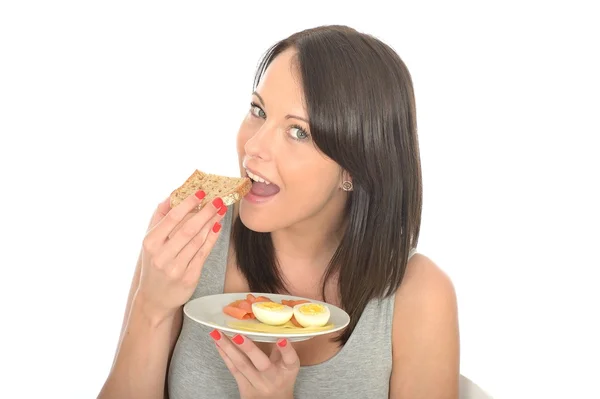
{"type": "Point", "coordinates": [346, 181]}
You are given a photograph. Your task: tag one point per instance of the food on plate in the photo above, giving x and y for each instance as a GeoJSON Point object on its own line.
{"type": "Point", "coordinates": [291, 303]}
{"type": "Point", "coordinates": [311, 314]}
{"type": "Point", "coordinates": [261, 314]}
{"type": "Point", "coordinates": [287, 328]}
{"type": "Point", "coordinates": [239, 309]}
{"type": "Point", "coordinates": [242, 308]}
{"type": "Point", "coordinates": [271, 313]}
{"type": "Point", "coordinates": [230, 189]}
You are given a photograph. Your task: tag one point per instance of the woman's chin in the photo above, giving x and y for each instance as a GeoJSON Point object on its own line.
{"type": "Point", "coordinates": [254, 221]}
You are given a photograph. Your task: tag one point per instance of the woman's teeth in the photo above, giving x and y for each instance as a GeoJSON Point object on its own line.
{"type": "Point", "coordinates": [256, 178]}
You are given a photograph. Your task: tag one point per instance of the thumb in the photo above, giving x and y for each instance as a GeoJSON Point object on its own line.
{"type": "Point", "coordinates": [161, 211]}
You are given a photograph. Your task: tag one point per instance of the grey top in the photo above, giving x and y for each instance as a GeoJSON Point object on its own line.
{"type": "Point", "coordinates": [361, 369]}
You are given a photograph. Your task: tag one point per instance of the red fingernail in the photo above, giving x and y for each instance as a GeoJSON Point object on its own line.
{"type": "Point", "coordinates": [216, 227]}
{"type": "Point", "coordinates": [200, 194]}
{"type": "Point", "coordinates": [222, 211]}
{"type": "Point", "coordinates": [282, 343]}
{"type": "Point", "coordinates": [238, 339]}
{"type": "Point", "coordinates": [215, 335]}
{"type": "Point", "coordinates": [218, 203]}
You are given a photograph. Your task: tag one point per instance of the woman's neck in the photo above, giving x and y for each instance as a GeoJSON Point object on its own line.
{"type": "Point", "coordinates": [309, 244]}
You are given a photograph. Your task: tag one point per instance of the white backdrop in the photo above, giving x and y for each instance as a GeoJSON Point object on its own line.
{"type": "Point", "coordinates": [106, 107]}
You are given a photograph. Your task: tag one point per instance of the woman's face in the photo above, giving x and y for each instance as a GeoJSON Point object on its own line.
{"type": "Point", "coordinates": [274, 144]}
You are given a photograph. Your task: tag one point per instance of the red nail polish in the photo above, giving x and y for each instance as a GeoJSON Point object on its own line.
{"type": "Point", "coordinates": [218, 203]}
{"type": "Point", "coordinates": [222, 211]}
{"type": "Point", "coordinates": [282, 343]}
{"type": "Point", "coordinates": [238, 339]}
{"type": "Point", "coordinates": [215, 335]}
{"type": "Point", "coordinates": [216, 227]}
{"type": "Point", "coordinates": [200, 194]}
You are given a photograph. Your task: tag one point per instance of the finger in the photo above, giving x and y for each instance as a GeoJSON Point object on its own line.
{"type": "Point", "coordinates": [239, 377]}
{"type": "Point", "coordinates": [241, 362]}
{"type": "Point", "coordinates": [275, 355]}
{"type": "Point", "coordinates": [180, 224]}
{"type": "Point", "coordinates": [190, 229]}
{"type": "Point", "coordinates": [183, 222]}
{"type": "Point", "coordinates": [160, 212]}
{"type": "Point", "coordinates": [174, 216]}
{"type": "Point", "coordinates": [194, 267]}
{"type": "Point", "coordinates": [289, 357]}
{"type": "Point", "coordinates": [192, 257]}
{"type": "Point", "coordinates": [228, 362]}
{"type": "Point", "coordinates": [258, 358]}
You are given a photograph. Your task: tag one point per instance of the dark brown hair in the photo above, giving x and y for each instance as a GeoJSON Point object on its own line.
{"type": "Point", "coordinates": [361, 108]}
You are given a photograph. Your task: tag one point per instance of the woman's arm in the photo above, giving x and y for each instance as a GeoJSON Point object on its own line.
{"type": "Point", "coordinates": [425, 332]}
{"type": "Point", "coordinates": [174, 249]}
{"type": "Point", "coordinates": [145, 347]}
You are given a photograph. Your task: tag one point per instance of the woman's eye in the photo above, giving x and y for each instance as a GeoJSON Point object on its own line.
{"type": "Point", "coordinates": [257, 111]}
{"type": "Point", "coordinates": [298, 133]}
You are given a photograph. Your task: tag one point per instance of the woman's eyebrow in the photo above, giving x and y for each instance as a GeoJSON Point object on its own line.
{"type": "Point", "coordinates": [260, 99]}
{"type": "Point", "coordinates": [296, 117]}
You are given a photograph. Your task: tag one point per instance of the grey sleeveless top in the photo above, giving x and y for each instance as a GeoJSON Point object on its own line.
{"type": "Point", "coordinates": [361, 369]}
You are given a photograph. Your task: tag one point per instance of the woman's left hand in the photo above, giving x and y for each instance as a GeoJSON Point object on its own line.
{"type": "Point", "coordinates": [259, 375]}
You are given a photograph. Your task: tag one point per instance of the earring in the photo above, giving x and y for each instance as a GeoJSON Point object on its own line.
{"type": "Point", "coordinates": [347, 185]}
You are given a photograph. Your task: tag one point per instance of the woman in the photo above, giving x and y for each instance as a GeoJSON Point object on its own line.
{"type": "Point", "coordinates": [332, 128]}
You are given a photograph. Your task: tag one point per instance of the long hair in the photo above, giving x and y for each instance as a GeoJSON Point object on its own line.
{"type": "Point", "coordinates": [360, 102]}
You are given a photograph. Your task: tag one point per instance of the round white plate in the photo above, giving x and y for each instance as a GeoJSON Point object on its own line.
{"type": "Point", "coordinates": [208, 310]}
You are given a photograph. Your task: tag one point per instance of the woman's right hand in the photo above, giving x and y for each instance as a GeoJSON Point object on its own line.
{"type": "Point", "coordinates": [174, 250]}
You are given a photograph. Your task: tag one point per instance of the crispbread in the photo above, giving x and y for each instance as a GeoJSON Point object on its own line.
{"type": "Point", "coordinates": [230, 189]}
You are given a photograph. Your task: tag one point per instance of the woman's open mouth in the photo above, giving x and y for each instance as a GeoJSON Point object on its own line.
{"type": "Point", "coordinates": [262, 189]}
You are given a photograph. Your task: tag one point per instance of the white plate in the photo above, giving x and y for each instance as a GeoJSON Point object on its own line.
{"type": "Point", "coordinates": [208, 310]}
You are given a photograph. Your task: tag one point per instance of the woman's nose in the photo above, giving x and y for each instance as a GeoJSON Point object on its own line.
{"type": "Point", "coordinates": [260, 144]}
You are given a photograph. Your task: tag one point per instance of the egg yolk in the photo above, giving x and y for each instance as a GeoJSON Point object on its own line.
{"type": "Point", "coordinates": [269, 305]}
{"type": "Point", "coordinates": [311, 308]}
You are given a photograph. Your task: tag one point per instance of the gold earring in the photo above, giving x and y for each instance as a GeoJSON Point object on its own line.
{"type": "Point", "coordinates": [347, 186]}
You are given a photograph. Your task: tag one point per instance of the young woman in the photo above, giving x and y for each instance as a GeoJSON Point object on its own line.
{"type": "Point", "coordinates": [332, 129]}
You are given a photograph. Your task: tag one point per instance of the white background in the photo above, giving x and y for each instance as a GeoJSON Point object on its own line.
{"type": "Point", "coordinates": [106, 107]}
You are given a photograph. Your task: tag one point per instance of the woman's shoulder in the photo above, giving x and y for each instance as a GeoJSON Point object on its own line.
{"type": "Point", "coordinates": [425, 334]}
{"type": "Point", "coordinates": [426, 297]}
{"type": "Point", "coordinates": [424, 277]}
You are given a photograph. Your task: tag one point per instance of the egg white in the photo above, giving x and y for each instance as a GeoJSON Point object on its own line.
{"type": "Point", "coordinates": [273, 314]}
{"type": "Point", "coordinates": [312, 319]}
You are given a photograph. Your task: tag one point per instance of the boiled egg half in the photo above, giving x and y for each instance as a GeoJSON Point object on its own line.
{"type": "Point", "coordinates": [311, 314]}
{"type": "Point", "coordinates": [271, 313]}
